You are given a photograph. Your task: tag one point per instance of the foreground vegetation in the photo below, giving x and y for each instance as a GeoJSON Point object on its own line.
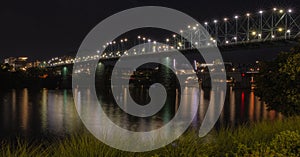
{"type": "Point", "coordinates": [278, 138]}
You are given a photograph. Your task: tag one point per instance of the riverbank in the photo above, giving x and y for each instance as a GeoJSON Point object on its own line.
{"type": "Point", "coordinates": [267, 138]}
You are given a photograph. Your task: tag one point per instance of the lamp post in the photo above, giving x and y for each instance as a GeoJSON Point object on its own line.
{"type": "Point", "coordinates": [272, 22]}
{"type": "Point", "coordinates": [225, 37]}
{"type": "Point", "coordinates": [286, 20]}
{"type": "Point", "coordinates": [236, 27]}
{"type": "Point", "coordinates": [261, 21]}
{"type": "Point", "coordinates": [216, 29]}
{"type": "Point", "coordinates": [248, 26]}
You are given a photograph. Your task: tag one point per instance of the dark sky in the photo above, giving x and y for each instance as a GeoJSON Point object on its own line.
{"type": "Point", "coordinates": [42, 29]}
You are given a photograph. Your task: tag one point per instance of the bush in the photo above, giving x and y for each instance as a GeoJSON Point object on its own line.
{"type": "Point", "coordinates": [278, 83]}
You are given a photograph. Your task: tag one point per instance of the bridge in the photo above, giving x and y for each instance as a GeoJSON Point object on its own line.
{"type": "Point", "coordinates": [262, 27]}
{"type": "Point", "coordinates": [270, 25]}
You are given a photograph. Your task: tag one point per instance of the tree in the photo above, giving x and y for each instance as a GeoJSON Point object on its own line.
{"type": "Point", "coordinates": [278, 83]}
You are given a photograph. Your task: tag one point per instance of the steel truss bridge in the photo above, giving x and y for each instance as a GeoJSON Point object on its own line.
{"type": "Point", "coordinates": [263, 25]}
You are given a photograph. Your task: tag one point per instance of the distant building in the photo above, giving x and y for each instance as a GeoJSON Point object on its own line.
{"type": "Point", "coordinates": [34, 64]}
{"type": "Point", "coordinates": [16, 63]}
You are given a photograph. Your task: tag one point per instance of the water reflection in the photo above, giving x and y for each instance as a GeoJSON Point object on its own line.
{"type": "Point", "coordinates": [34, 113]}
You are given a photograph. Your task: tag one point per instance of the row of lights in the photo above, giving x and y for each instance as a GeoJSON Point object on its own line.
{"type": "Point", "coordinates": [248, 15]}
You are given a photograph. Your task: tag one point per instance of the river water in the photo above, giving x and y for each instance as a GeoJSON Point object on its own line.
{"type": "Point", "coordinates": [34, 113]}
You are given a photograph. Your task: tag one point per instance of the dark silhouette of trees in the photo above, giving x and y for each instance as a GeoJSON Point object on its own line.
{"type": "Point", "coordinates": [278, 83]}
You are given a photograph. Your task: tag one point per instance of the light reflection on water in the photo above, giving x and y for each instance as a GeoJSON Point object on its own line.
{"type": "Point", "coordinates": [38, 113]}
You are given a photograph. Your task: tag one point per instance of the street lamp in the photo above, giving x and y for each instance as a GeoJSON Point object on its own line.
{"type": "Point", "coordinates": [286, 19]}
{"type": "Point", "coordinates": [236, 26]}
{"type": "Point", "coordinates": [289, 33]}
{"type": "Point", "coordinates": [261, 21]}
{"type": "Point", "coordinates": [225, 20]}
{"type": "Point", "coordinates": [248, 26]}
{"type": "Point", "coordinates": [216, 29]}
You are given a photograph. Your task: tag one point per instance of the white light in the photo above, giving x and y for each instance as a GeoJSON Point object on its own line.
{"type": "Point", "coordinates": [288, 31]}
{"type": "Point", "coordinates": [235, 38]}
{"type": "Point", "coordinates": [225, 19]}
{"type": "Point", "coordinates": [261, 11]}
{"type": "Point", "coordinates": [149, 40]}
{"type": "Point", "coordinates": [281, 11]}
{"type": "Point", "coordinates": [194, 28]}
{"type": "Point", "coordinates": [189, 26]}
{"type": "Point", "coordinates": [227, 42]}
{"type": "Point", "coordinates": [125, 39]}
{"type": "Point", "coordinates": [181, 31]}
{"type": "Point", "coordinates": [236, 17]}
{"type": "Point", "coordinates": [290, 10]}
{"type": "Point", "coordinates": [274, 9]}
{"type": "Point", "coordinates": [273, 36]}
{"type": "Point", "coordinates": [215, 21]}
{"type": "Point", "coordinates": [248, 14]}
{"type": "Point", "coordinates": [167, 40]}
{"type": "Point", "coordinates": [205, 23]}
{"type": "Point", "coordinates": [196, 43]}
{"type": "Point", "coordinates": [139, 37]}
{"type": "Point", "coordinates": [174, 35]}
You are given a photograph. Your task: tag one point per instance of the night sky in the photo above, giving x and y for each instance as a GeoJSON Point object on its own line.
{"type": "Point", "coordinates": [43, 29]}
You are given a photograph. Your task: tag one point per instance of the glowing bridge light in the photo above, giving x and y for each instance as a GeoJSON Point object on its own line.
{"type": "Point", "coordinates": [281, 11]}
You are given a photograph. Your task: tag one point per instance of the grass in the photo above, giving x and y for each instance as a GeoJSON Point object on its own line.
{"type": "Point", "coordinates": [267, 138]}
